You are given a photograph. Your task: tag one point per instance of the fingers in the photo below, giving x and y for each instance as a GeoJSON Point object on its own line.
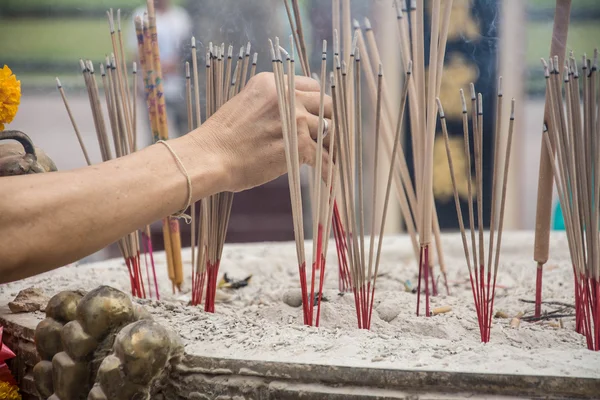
{"type": "Point", "coordinates": [312, 102]}
{"type": "Point", "coordinates": [306, 84]}
{"type": "Point", "coordinates": [309, 156]}
{"type": "Point", "coordinates": [313, 128]}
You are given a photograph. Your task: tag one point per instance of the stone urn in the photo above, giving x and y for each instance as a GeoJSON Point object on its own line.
{"type": "Point", "coordinates": [22, 157]}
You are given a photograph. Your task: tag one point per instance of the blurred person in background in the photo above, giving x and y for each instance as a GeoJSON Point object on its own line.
{"type": "Point", "coordinates": [174, 26]}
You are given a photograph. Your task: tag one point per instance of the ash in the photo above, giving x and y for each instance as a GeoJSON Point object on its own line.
{"type": "Point", "coordinates": [255, 323]}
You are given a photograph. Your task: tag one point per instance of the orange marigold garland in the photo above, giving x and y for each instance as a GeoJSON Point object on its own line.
{"type": "Point", "coordinates": [10, 96]}
{"type": "Point", "coordinates": [9, 392]}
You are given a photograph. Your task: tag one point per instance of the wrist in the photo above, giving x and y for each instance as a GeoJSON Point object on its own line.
{"type": "Point", "coordinates": [203, 162]}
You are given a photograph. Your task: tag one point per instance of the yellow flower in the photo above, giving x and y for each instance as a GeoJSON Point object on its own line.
{"type": "Point", "coordinates": [10, 96]}
{"type": "Point", "coordinates": [9, 392]}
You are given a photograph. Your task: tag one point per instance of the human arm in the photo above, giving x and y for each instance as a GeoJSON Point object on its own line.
{"type": "Point", "coordinates": [49, 220]}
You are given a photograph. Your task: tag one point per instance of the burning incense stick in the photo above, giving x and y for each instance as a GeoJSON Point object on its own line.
{"type": "Point", "coordinates": [245, 68]}
{"type": "Point", "coordinates": [199, 266]}
{"type": "Point", "coordinates": [190, 118]}
{"type": "Point", "coordinates": [318, 256]}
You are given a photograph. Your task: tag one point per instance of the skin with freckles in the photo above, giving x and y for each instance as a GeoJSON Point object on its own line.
{"type": "Point", "coordinates": [67, 215]}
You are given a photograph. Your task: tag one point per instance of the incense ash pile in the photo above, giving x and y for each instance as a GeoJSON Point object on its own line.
{"type": "Point", "coordinates": [255, 322]}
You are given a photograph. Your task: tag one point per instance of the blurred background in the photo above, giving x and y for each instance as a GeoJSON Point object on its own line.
{"type": "Point", "coordinates": [43, 39]}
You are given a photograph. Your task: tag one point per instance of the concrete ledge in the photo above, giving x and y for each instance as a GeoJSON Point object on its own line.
{"type": "Point", "coordinates": [200, 377]}
{"type": "Point", "coordinates": [18, 334]}
{"type": "Point", "coordinates": [276, 380]}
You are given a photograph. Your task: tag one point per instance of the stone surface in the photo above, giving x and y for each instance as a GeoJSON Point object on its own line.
{"type": "Point", "coordinates": [198, 396]}
{"type": "Point", "coordinates": [28, 353]}
{"type": "Point", "coordinates": [143, 348]}
{"type": "Point", "coordinates": [140, 312]}
{"type": "Point", "coordinates": [78, 344]}
{"type": "Point", "coordinates": [104, 309]}
{"type": "Point", "coordinates": [97, 394]}
{"type": "Point", "coordinates": [42, 373]}
{"type": "Point", "coordinates": [177, 347]}
{"type": "Point", "coordinates": [29, 300]}
{"type": "Point", "coordinates": [115, 384]}
{"type": "Point", "coordinates": [71, 378]}
{"type": "Point", "coordinates": [388, 310]}
{"type": "Point", "coordinates": [19, 332]}
{"type": "Point", "coordinates": [27, 387]}
{"type": "Point", "coordinates": [292, 297]}
{"type": "Point", "coordinates": [62, 307]}
{"type": "Point", "coordinates": [21, 325]}
{"type": "Point", "coordinates": [47, 338]}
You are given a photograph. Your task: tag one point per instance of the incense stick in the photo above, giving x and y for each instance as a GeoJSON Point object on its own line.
{"type": "Point", "coordinates": [245, 68]}
{"type": "Point", "coordinates": [388, 187]}
{"type": "Point", "coordinates": [456, 195]}
{"type": "Point", "coordinates": [404, 190]}
{"type": "Point", "coordinates": [571, 145]}
{"type": "Point", "coordinates": [483, 298]}
{"type": "Point", "coordinates": [75, 128]}
{"type": "Point", "coordinates": [190, 118]}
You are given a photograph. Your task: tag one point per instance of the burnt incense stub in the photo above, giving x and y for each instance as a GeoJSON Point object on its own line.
{"type": "Point", "coordinates": [101, 346]}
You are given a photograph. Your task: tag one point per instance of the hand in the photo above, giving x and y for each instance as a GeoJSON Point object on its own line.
{"type": "Point", "coordinates": [246, 132]}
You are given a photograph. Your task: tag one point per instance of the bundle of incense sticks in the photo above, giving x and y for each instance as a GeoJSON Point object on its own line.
{"type": "Point", "coordinates": [483, 291]}
{"type": "Point", "coordinates": [221, 85]}
{"type": "Point", "coordinates": [420, 224]}
{"type": "Point", "coordinates": [363, 261]}
{"type": "Point", "coordinates": [323, 189]}
{"type": "Point", "coordinates": [409, 199]}
{"type": "Point", "coordinates": [423, 124]}
{"type": "Point", "coordinates": [121, 113]}
{"type": "Point", "coordinates": [339, 233]}
{"type": "Point", "coordinates": [417, 206]}
{"type": "Point", "coordinates": [149, 59]}
{"type": "Point", "coordinates": [572, 141]}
